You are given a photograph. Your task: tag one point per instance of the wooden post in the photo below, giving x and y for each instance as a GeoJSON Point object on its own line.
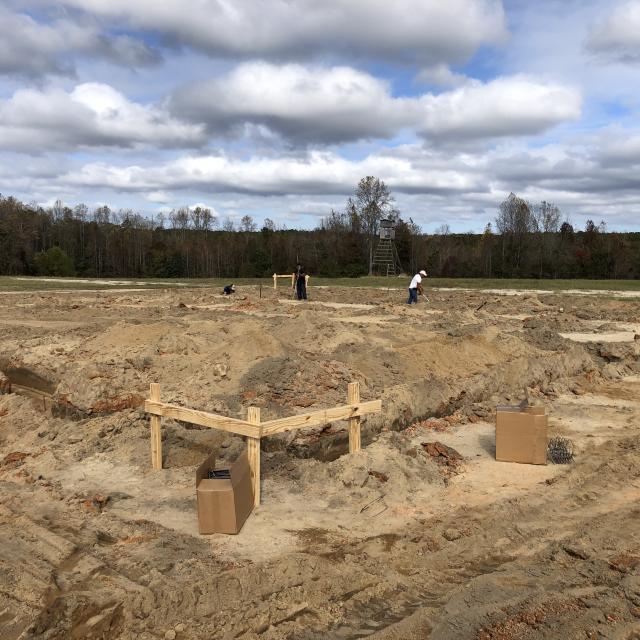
{"type": "Point", "coordinates": [156, 429]}
{"type": "Point", "coordinates": [353, 397]}
{"type": "Point", "coordinates": [253, 452]}
{"type": "Point", "coordinates": [275, 281]}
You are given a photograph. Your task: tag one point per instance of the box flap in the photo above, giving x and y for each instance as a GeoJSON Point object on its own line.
{"type": "Point", "coordinates": [210, 463]}
{"type": "Point", "coordinates": [239, 467]}
{"type": "Point", "coordinates": [242, 488]}
{"type": "Point", "coordinates": [203, 469]}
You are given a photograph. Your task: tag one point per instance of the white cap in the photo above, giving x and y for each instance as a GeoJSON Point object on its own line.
{"type": "Point", "coordinates": [423, 273]}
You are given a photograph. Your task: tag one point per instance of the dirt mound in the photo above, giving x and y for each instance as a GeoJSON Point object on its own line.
{"type": "Point", "coordinates": [296, 382]}
{"type": "Point", "coordinates": [390, 467]}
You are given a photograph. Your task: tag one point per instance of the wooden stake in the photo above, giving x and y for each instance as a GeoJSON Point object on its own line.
{"type": "Point", "coordinates": [275, 281]}
{"type": "Point", "coordinates": [253, 452]}
{"type": "Point", "coordinates": [353, 397]}
{"type": "Point", "coordinates": [156, 429]}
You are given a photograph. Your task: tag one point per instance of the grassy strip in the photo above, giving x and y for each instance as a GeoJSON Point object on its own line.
{"type": "Point", "coordinates": [8, 283]}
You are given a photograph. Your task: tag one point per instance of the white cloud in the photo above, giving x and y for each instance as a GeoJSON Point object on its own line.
{"type": "Point", "coordinates": [160, 197]}
{"type": "Point", "coordinates": [300, 103]}
{"type": "Point", "coordinates": [437, 184]}
{"type": "Point", "coordinates": [430, 31]}
{"type": "Point", "coordinates": [289, 76]}
{"type": "Point", "coordinates": [318, 173]}
{"type": "Point", "coordinates": [503, 107]}
{"type": "Point", "coordinates": [92, 115]}
{"type": "Point", "coordinates": [617, 38]}
{"type": "Point", "coordinates": [32, 48]}
{"type": "Point", "coordinates": [338, 104]}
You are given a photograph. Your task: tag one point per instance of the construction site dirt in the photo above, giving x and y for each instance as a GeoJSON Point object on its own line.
{"type": "Point", "coordinates": [421, 534]}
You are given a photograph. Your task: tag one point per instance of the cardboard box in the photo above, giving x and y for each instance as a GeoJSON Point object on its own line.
{"type": "Point", "coordinates": [224, 504]}
{"type": "Point", "coordinates": [521, 434]}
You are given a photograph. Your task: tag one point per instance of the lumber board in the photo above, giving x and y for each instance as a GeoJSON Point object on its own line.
{"type": "Point", "coordinates": [253, 453]}
{"type": "Point", "coordinates": [202, 418]}
{"type": "Point", "coordinates": [156, 430]}
{"type": "Point", "coordinates": [353, 397]}
{"type": "Point", "coordinates": [316, 418]}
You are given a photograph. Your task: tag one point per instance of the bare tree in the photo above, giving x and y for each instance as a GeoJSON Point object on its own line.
{"type": "Point", "coordinates": [180, 218]}
{"type": "Point", "coordinates": [372, 203]}
{"type": "Point", "coordinates": [547, 217]}
{"type": "Point", "coordinates": [247, 224]}
{"type": "Point", "coordinates": [514, 222]}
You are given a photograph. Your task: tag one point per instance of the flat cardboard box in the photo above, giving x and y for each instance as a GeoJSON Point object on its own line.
{"type": "Point", "coordinates": [521, 434]}
{"type": "Point", "coordinates": [224, 504]}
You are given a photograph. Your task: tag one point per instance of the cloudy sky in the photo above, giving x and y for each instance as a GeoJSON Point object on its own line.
{"type": "Point", "coordinates": [276, 108]}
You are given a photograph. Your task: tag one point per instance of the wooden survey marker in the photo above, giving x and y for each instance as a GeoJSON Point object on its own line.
{"type": "Point", "coordinates": [253, 428]}
{"type": "Point", "coordinates": [291, 276]}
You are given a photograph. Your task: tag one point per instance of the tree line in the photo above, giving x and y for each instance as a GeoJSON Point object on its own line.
{"type": "Point", "coordinates": [524, 241]}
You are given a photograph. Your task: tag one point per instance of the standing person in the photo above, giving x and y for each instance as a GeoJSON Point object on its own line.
{"type": "Point", "coordinates": [416, 287]}
{"type": "Point", "coordinates": [300, 282]}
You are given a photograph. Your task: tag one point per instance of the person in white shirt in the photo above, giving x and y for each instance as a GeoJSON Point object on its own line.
{"type": "Point", "coordinates": [416, 287]}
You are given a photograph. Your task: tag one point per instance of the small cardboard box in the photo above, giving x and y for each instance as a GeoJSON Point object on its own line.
{"type": "Point", "coordinates": [224, 503]}
{"type": "Point", "coordinates": [521, 434]}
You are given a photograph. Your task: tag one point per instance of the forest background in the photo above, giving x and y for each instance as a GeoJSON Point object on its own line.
{"type": "Point", "coordinates": [525, 240]}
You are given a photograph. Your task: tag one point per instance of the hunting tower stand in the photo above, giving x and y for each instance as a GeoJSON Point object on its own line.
{"type": "Point", "coordinates": [385, 259]}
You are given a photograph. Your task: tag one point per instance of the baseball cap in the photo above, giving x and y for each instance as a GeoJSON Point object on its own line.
{"type": "Point", "coordinates": [423, 272]}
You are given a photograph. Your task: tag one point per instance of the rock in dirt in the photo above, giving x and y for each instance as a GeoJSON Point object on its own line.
{"type": "Point", "coordinates": [96, 503]}
{"type": "Point", "coordinates": [577, 550]}
{"type": "Point", "coordinates": [624, 562]}
{"type": "Point", "coordinates": [14, 459]}
{"type": "Point", "coordinates": [451, 534]}
{"type": "Point", "coordinates": [443, 455]}
{"type": "Point", "coordinates": [383, 477]}
{"type": "Point", "coordinates": [611, 354]}
{"type": "Point", "coordinates": [5, 384]}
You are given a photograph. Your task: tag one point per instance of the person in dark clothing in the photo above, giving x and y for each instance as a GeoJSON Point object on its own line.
{"type": "Point", "coordinates": [300, 282]}
{"type": "Point", "coordinates": [229, 289]}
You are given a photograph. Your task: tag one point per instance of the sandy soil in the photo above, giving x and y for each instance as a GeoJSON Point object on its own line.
{"type": "Point", "coordinates": [388, 543]}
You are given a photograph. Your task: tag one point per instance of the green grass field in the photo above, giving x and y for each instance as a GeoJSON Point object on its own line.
{"type": "Point", "coordinates": [9, 283]}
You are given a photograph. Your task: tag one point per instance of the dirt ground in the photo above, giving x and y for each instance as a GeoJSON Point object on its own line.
{"type": "Point", "coordinates": [404, 539]}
